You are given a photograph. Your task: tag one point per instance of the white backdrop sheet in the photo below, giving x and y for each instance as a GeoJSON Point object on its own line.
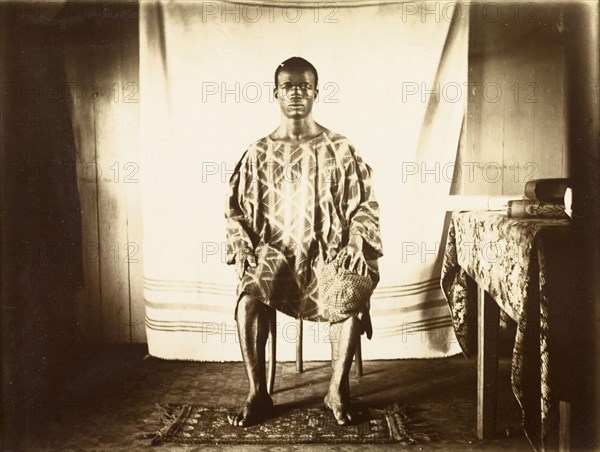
{"type": "Point", "coordinates": [394, 83]}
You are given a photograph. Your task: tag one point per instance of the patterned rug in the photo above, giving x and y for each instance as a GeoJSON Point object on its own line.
{"type": "Point", "coordinates": [189, 424]}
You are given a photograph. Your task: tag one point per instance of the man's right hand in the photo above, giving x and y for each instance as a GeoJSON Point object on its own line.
{"type": "Point", "coordinates": [244, 257]}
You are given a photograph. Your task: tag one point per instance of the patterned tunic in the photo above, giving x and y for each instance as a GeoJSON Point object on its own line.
{"type": "Point", "coordinates": [296, 205]}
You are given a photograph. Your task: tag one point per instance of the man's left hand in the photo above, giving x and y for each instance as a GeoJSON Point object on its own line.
{"type": "Point", "coordinates": [352, 258]}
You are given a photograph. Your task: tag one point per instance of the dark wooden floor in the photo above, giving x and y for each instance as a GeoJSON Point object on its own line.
{"type": "Point", "coordinates": [110, 399]}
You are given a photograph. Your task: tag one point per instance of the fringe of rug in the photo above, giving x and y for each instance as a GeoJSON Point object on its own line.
{"type": "Point", "coordinates": [402, 428]}
{"type": "Point", "coordinates": [172, 418]}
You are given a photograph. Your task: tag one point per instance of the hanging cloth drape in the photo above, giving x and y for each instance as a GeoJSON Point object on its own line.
{"type": "Point", "coordinates": [392, 79]}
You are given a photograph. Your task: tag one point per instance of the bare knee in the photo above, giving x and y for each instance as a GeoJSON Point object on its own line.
{"type": "Point", "coordinates": [249, 307]}
{"type": "Point", "coordinates": [348, 328]}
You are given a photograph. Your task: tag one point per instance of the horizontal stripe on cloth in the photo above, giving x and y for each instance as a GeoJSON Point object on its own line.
{"type": "Point", "coordinates": [157, 323]}
{"type": "Point", "coordinates": [223, 345]}
{"type": "Point", "coordinates": [206, 326]}
{"type": "Point", "coordinates": [312, 4]}
{"type": "Point", "coordinates": [194, 306]}
{"type": "Point", "coordinates": [395, 291]}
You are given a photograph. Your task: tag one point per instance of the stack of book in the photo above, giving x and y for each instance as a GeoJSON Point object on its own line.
{"type": "Point", "coordinates": [545, 198]}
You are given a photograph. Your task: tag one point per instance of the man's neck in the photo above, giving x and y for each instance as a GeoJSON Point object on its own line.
{"type": "Point", "coordinates": [299, 130]}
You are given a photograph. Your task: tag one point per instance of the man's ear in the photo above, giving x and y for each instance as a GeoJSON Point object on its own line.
{"type": "Point", "coordinates": [316, 92]}
{"type": "Point", "coordinates": [275, 93]}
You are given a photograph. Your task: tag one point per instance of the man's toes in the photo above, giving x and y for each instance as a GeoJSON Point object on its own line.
{"type": "Point", "coordinates": [250, 413]}
{"type": "Point", "coordinates": [343, 415]}
{"type": "Point", "coordinates": [341, 412]}
{"type": "Point", "coordinates": [237, 420]}
{"type": "Point", "coordinates": [339, 415]}
{"type": "Point", "coordinates": [349, 417]}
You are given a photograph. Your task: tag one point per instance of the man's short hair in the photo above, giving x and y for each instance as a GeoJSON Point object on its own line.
{"type": "Point", "coordinates": [296, 64]}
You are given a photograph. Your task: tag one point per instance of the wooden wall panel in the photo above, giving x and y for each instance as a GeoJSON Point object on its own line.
{"type": "Point", "coordinates": [515, 127]}
{"type": "Point", "coordinates": [78, 60]}
{"type": "Point", "coordinates": [112, 208]}
{"type": "Point", "coordinates": [102, 65]}
{"type": "Point", "coordinates": [132, 172]}
{"type": "Point", "coordinates": [485, 143]}
{"type": "Point", "coordinates": [490, 99]}
{"type": "Point", "coordinates": [518, 82]}
{"type": "Point", "coordinates": [467, 184]}
{"type": "Point", "coordinates": [549, 129]}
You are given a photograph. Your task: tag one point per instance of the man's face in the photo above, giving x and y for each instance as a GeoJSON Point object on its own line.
{"type": "Point", "coordinates": [296, 93]}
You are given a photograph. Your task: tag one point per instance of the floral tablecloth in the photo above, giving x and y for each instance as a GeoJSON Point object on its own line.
{"type": "Point", "coordinates": [528, 267]}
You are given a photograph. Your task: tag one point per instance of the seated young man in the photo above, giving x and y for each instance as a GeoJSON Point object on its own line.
{"type": "Point", "coordinates": [299, 197]}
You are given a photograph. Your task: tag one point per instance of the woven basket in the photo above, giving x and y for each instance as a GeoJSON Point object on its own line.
{"type": "Point", "coordinates": [342, 291]}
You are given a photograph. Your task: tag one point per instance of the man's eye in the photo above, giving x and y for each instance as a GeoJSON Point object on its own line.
{"type": "Point", "coordinates": [290, 86]}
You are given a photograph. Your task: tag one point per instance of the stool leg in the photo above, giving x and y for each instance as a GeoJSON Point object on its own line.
{"type": "Point", "coordinates": [272, 352]}
{"type": "Point", "coordinates": [299, 348]}
{"type": "Point", "coordinates": [358, 359]}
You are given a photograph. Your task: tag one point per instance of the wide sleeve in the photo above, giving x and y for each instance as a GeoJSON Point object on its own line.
{"type": "Point", "coordinates": [239, 210]}
{"type": "Point", "coordinates": [362, 209]}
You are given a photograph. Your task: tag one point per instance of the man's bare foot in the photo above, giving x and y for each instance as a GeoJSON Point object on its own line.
{"type": "Point", "coordinates": [341, 409]}
{"type": "Point", "coordinates": [254, 409]}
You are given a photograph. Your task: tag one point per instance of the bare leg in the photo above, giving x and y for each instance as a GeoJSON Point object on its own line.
{"type": "Point", "coordinates": [344, 336]}
{"type": "Point", "coordinates": [253, 319]}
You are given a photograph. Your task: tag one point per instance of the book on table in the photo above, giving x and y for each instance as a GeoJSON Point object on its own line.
{"type": "Point", "coordinates": [530, 208]}
{"type": "Point", "coordinates": [545, 199]}
{"type": "Point", "coordinates": [547, 190]}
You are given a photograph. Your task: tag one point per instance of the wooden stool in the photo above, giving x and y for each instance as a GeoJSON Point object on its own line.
{"type": "Point", "coordinates": [299, 364]}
